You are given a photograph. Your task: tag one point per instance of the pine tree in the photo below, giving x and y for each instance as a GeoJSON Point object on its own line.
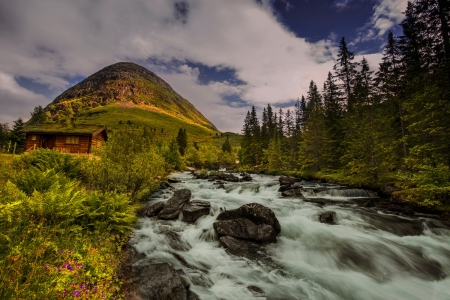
{"type": "Point", "coordinates": [182, 140]}
{"type": "Point", "coordinates": [4, 136]}
{"type": "Point", "coordinates": [333, 114]}
{"type": "Point", "coordinates": [17, 136]}
{"type": "Point", "coordinates": [275, 160]}
{"type": "Point", "coordinates": [226, 146]}
{"type": "Point", "coordinates": [38, 116]}
{"type": "Point", "coordinates": [345, 70]}
{"type": "Point", "coordinates": [311, 146]}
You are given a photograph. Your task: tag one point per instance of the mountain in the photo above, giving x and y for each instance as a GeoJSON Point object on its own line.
{"type": "Point", "coordinates": [127, 93]}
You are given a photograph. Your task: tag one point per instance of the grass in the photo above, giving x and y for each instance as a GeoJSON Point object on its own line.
{"type": "Point", "coordinates": [114, 117]}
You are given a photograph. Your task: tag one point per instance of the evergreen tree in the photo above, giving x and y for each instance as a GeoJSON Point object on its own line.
{"type": "Point", "coordinates": [275, 160]}
{"type": "Point", "coordinates": [345, 70]}
{"type": "Point", "coordinates": [265, 137]}
{"type": "Point", "coordinates": [4, 137]}
{"type": "Point", "coordinates": [182, 140]}
{"type": "Point", "coordinates": [333, 114]}
{"type": "Point", "coordinates": [17, 136]}
{"type": "Point", "coordinates": [311, 146]}
{"type": "Point", "coordinates": [38, 116]}
{"type": "Point", "coordinates": [172, 155]}
{"type": "Point", "coordinates": [226, 146]}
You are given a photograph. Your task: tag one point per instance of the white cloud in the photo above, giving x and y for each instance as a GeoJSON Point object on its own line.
{"type": "Point", "coordinates": [51, 41]}
{"type": "Point", "coordinates": [386, 15]}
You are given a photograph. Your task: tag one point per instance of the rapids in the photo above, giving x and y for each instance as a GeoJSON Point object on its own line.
{"type": "Point", "coordinates": [366, 255]}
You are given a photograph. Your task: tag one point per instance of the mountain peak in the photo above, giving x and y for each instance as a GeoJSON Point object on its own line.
{"type": "Point", "coordinates": [128, 82]}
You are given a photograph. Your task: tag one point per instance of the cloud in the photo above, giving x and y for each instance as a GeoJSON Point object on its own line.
{"type": "Point", "coordinates": [53, 41]}
{"type": "Point", "coordinates": [16, 101]}
{"type": "Point", "coordinates": [386, 15]}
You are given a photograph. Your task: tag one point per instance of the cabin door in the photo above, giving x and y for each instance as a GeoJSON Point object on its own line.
{"type": "Point", "coordinates": [48, 141]}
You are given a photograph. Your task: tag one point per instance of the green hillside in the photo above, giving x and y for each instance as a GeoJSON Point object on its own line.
{"type": "Point", "coordinates": [116, 116]}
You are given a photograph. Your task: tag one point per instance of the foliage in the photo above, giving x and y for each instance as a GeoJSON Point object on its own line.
{"type": "Point", "coordinates": [129, 163]}
{"type": "Point", "coordinates": [182, 140]}
{"type": "Point", "coordinates": [171, 155]}
{"type": "Point", "coordinates": [226, 147]}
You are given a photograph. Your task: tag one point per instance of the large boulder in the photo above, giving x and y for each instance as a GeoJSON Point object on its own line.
{"type": "Point", "coordinates": [246, 177]}
{"type": "Point", "coordinates": [230, 177]}
{"type": "Point", "coordinates": [254, 212]}
{"type": "Point", "coordinates": [328, 217]}
{"type": "Point", "coordinates": [246, 229]}
{"type": "Point", "coordinates": [244, 248]}
{"type": "Point", "coordinates": [175, 204]}
{"type": "Point", "coordinates": [195, 209]}
{"type": "Point", "coordinates": [151, 210]}
{"type": "Point", "coordinates": [159, 281]}
{"type": "Point", "coordinates": [286, 180]}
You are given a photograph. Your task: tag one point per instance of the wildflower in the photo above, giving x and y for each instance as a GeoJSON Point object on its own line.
{"type": "Point", "coordinates": [76, 293]}
{"type": "Point", "coordinates": [59, 269]}
{"type": "Point", "coordinates": [60, 251]}
{"type": "Point", "coordinates": [45, 267]}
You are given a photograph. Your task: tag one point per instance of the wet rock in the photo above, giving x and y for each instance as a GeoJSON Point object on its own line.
{"type": "Point", "coordinates": [257, 213]}
{"type": "Point", "coordinates": [221, 186]}
{"type": "Point", "coordinates": [244, 248]}
{"type": "Point", "coordinates": [284, 188]}
{"type": "Point", "coordinates": [256, 290]}
{"type": "Point", "coordinates": [171, 180]}
{"type": "Point", "coordinates": [293, 193]}
{"type": "Point", "coordinates": [286, 180]}
{"type": "Point", "coordinates": [230, 178]}
{"type": "Point", "coordinates": [175, 204]}
{"type": "Point", "coordinates": [328, 217]}
{"type": "Point", "coordinates": [159, 281]}
{"type": "Point", "coordinates": [151, 210]}
{"type": "Point", "coordinates": [195, 209]}
{"type": "Point", "coordinates": [164, 185]}
{"type": "Point", "coordinates": [246, 177]}
{"type": "Point", "coordinates": [199, 174]}
{"type": "Point", "coordinates": [246, 229]}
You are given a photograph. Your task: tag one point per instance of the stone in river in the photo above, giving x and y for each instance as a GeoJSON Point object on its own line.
{"type": "Point", "coordinates": [195, 209]}
{"type": "Point", "coordinates": [175, 204]}
{"type": "Point", "coordinates": [328, 217]}
{"type": "Point", "coordinates": [246, 229]}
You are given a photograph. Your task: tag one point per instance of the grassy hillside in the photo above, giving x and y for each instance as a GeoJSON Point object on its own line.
{"type": "Point", "coordinates": [116, 116]}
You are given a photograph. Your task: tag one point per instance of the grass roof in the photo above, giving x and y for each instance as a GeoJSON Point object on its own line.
{"type": "Point", "coordinates": [53, 128]}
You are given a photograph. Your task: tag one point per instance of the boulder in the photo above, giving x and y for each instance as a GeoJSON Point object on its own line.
{"type": "Point", "coordinates": [159, 281]}
{"type": "Point", "coordinates": [171, 180]}
{"type": "Point", "coordinates": [221, 186]}
{"type": "Point", "coordinates": [328, 217]}
{"type": "Point", "coordinates": [286, 180]}
{"type": "Point", "coordinates": [254, 212]}
{"type": "Point", "coordinates": [230, 177]}
{"type": "Point", "coordinates": [284, 188]}
{"type": "Point", "coordinates": [152, 210]}
{"type": "Point", "coordinates": [195, 209]}
{"type": "Point", "coordinates": [246, 177]}
{"type": "Point", "coordinates": [244, 248]}
{"type": "Point", "coordinates": [246, 229]}
{"type": "Point", "coordinates": [175, 204]}
{"type": "Point", "coordinates": [293, 193]}
{"type": "Point", "coordinates": [164, 185]}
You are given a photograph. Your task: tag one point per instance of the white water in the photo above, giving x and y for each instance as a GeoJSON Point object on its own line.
{"type": "Point", "coordinates": [367, 255]}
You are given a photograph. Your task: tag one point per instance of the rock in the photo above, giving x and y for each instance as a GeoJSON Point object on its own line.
{"type": "Point", "coordinates": [389, 189]}
{"type": "Point", "coordinates": [231, 178]}
{"type": "Point", "coordinates": [257, 213]}
{"type": "Point", "coordinates": [256, 290]}
{"type": "Point", "coordinates": [246, 177]}
{"type": "Point", "coordinates": [244, 248]}
{"type": "Point", "coordinates": [164, 185]}
{"type": "Point", "coordinates": [328, 217]}
{"type": "Point", "coordinates": [246, 229]}
{"type": "Point", "coordinates": [152, 210]}
{"type": "Point", "coordinates": [199, 174]}
{"type": "Point", "coordinates": [160, 281]}
{"type": "Point", "coordinates": [175, 204]}
{"type": "Point", "coordinates": [284, 188]}
{"type": "Point", "coordinates": [286, 180]}
{"type": "Point", "coordinates": [170, 180]}
{"type": "Point", "coordinates": [293, 193]}
{"type": "Point", "coordinates": [195, 209]}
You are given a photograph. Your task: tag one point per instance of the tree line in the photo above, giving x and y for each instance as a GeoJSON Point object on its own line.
{"type": "Point", "coordinates": [363, 121]}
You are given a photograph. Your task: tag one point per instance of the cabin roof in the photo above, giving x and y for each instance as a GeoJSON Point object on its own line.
{"type": "Point", "coordinates": [62, 129]}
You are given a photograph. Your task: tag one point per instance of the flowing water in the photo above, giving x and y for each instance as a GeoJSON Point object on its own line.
{"type": "Point", "coordinates": [366, 255]}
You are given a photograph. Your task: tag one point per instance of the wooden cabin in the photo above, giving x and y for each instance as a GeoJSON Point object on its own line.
{"type": "Point", "coordinates": [69, 138]}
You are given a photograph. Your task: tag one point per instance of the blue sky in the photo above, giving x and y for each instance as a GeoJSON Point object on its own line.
{"type": "Point", "coordinates": [222, 55]}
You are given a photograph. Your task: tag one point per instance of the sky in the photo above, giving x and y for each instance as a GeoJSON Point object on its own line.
{"type": "Point", "coordinates": [224, 56]}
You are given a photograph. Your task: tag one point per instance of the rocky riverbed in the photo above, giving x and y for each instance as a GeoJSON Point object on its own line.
{"type": "Point", "coordinates": [262, 237]}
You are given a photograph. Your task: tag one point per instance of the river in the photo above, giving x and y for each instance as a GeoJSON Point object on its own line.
{"type": "Point", "coordinates": [366, 255]}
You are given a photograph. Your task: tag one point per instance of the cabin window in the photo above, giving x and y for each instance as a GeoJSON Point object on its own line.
{"type": "Point", "coordinates": [33, 137]}
{"type": "Point", "coordinates": [72, 140]}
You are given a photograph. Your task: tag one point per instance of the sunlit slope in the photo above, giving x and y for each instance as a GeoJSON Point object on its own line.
{"type": "Point", "coordinates": [164, 126]}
